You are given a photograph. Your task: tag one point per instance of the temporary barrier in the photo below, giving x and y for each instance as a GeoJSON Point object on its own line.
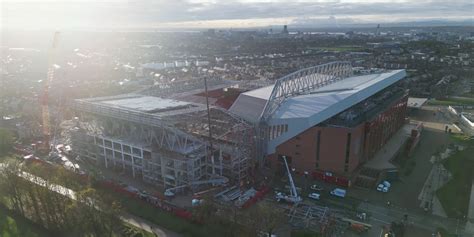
{"type": "Point", "coordinates": [258, 196]}
{"type": "Point", "coordinates": [333, 179]}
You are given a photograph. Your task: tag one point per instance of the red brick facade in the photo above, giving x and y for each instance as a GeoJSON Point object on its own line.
{"type": "Point", "coordinates": [339, 152]}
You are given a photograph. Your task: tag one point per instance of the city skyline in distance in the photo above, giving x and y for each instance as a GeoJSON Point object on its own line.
{"type": "Point", "coordinates": [147, 14]}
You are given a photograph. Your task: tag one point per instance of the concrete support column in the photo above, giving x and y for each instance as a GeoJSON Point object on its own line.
{"type": "Point", "coordinates": [133, 165]}
{"type": "Point", "coordinates": [123, 158]}
{"type": "Point", "coordinates": [213, 164]}
{"type": "Point", "coordinates": [113, 152]}
{"type": "Point", "coordinates": [105, 153]}
{"type": "Point", "coordinates": [220, 160]}
{"type": "Point", "coordinates": [143, 162]}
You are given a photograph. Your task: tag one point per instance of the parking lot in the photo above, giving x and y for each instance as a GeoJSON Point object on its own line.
{"type": "Point", "coordinates": [404, 192]}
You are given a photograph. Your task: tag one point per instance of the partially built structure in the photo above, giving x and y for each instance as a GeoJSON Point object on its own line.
{"type": "Point", "coordinates": [165, 140]}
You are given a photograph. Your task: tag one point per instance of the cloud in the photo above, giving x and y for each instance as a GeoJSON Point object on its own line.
{"type": "Point", "coordinates": [156, 13]}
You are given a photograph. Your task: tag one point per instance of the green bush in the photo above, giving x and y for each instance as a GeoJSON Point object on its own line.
{"type": "Point", "coordinates": [165, 219]}
{"type": "Point", "coordinates": [6, 141]}
{"type": "Point", "coordinates": [454, 195]}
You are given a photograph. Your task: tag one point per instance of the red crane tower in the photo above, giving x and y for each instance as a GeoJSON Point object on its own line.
{"type": "Point", "coordinates": [45, 94]}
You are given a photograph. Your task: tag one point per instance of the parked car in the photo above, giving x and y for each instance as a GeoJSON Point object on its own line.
{"type": "Point", "coordinates": [315, 196]}
{"type": "Point", "coordinates": [316, 187]}
{"type": "Point", "coordinates": [338, 192]}
{"type": "Point", "coordinates": [382, 188]}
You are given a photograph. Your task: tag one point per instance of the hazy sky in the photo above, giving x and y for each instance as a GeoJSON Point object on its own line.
{"type": "Point", "coordinates": [63, 14]}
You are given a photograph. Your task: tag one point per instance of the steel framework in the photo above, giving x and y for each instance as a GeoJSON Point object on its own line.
{"type": "Point", "coordinates": [304, 80]}
{"type": "Point", "coordinates": [320, 219]}
{"type": "Point", "coordinates": [177, 139]}
{"type": "Point", "coordinates": [294, 84]}
{"type": "Point", "coordinates": [168, 89]}
{"type": "Point", "coordinates": [169, 138]}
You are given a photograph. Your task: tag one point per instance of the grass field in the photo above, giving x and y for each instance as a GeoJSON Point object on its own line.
{"type": "Point", "coordinates": [12, 225]}
{"type": "Point", "coordinates": [454, 196]}
{"type": "Point", "coordinates": [452, 101]}
{"type": "Point", "coordinates": [165, 219]}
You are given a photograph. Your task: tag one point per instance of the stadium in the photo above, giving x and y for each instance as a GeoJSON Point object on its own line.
{"type": "Point", "coordinates": [327, 121]}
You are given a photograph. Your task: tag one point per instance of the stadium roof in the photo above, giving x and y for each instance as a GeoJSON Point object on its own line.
{"type": "Point", "coordinates": [301, 112]}
{"type": "Point", "coordinates": [250, 104]}
{"type": "Point", "coordinates": [349, 91]}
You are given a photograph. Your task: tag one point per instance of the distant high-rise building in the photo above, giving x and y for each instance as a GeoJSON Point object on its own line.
{"type": "Point", "coordinates": [377, 32]}
{"type": "Point", "coordinates": [211, 32]}
{"type": "Point", "coordinates": [285, 29]}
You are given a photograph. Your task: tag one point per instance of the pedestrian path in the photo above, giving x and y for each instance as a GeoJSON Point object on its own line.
{"type": "Point", "coordinates": [147, 226]}
{"type": "Point", "coordinates": [470, 214]}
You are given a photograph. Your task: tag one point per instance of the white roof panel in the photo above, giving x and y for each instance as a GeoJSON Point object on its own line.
{"type": "Point", "coordinates": [327, 96]}
{"type": "Point", "coordinates": [416, 102]}
{"type": "Point", "coordinates": [250, 105]}
{"type": "Point", "coordinates": [145, 103]}
{"type": "Point", "coordinates": [261, 93]}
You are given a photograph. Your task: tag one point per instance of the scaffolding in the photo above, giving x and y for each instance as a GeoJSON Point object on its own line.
{"type": "Point", "coordinates": [176, 87]}
{"type": "Point", "coordinates": [173, 146]}
{"type": "Point", "coordinates": [316, 218]}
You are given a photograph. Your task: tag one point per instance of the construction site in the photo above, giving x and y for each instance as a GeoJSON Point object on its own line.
{"type": "Point", "coordinates": [208, 132]}
{"type": "Point", "coordinates": [164, 141]}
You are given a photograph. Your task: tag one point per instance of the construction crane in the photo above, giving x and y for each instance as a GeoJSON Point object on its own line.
{"type": "Point", "coordinates": [45, 94]}
{"type": "Point", "coordinates": [215, 181]}
{"type": "Point", "coordinates": [293, 197]}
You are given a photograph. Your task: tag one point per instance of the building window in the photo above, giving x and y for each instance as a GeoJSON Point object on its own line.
{"type": "Point", "coordinates": [297, 153]}
{"type": "Point", "coordinates": [297, 145]}
{"type": "Point", "coordinates": [297, 138]}
{"type": "Point", "coordinates": [348, 148]}
{"type": "Point", "coordinates": [346, 168]}
{"type": "Point", "coordinates": [317, 164]}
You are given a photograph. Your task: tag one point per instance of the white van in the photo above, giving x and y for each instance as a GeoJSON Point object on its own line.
{"type": "Point", "coordinates": [338, 192]}
{"type": "Point", "coordinates": [315, 196]}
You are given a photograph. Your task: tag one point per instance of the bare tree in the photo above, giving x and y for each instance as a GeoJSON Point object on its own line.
{"type": "Point", "coordinates": [268, 218]}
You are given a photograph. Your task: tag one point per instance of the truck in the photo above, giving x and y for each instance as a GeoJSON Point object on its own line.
{"type": "Point", "coordinates": [293, 197]}
{"type": "Point", "coordinates": [338, 192]}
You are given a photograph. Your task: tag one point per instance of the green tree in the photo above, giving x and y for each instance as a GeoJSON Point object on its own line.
{"type": "Point", "coordinates": [267, 218]}
{"type": "Point", "coordinates": [6, 141]}
{"type": "Point", "coordinates": [37, 199]}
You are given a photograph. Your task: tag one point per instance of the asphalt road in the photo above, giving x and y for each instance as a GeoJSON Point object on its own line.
{"type": "Point", "coordinates": [384, 215]}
